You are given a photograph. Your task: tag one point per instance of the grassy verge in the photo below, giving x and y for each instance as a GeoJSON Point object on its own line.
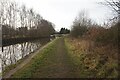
{"type": "Point", "coordinates": [12, 66]}
{"type": "Point", "coordinates": [95, 62]}
{"type": "Point", "coordinates": [29, 69]}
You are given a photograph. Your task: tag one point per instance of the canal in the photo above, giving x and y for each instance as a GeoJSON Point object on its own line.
{"type": "Point", "coordinates": [12, 53]}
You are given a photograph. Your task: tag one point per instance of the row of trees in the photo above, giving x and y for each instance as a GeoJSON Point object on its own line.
{"type": "Point", "coordinates": [80, 24]}
{"type": "Point", "coordinates": [64, 31]}
{"type": "Point", "coordinates": [17, 19]}
{"type": "Point", "coordinates": [84, 26]}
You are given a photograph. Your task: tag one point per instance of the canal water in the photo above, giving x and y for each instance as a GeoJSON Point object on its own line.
{"type": "Point", "coordinates": [12, 53]}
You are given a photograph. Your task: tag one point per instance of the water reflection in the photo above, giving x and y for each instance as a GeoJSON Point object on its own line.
{"type": "Point", "coordinates": [11, 54]}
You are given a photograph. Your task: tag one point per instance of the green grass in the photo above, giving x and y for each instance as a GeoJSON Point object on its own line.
{"type": "Point", "coordinates": [29, 70]}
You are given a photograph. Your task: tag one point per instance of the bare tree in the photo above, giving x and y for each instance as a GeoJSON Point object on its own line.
{"type": "Point", "coordinates": [3, 5]}
{"type": "Point", "coordinates": [38, 19]}
{"type": "Point", "coordinates": [115, 5]}
{"type": "Point", "coordinates": [30, 17]}
{"type": "Point", "coordinates": [80, 24]}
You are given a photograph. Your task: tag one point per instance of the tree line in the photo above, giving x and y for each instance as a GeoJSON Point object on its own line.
{"type": "Point", "coordinates": [83, 26]}
{"type": "Point", "coordinates": [64, 31]}
{"type": "Point", "coordinates": [18, 21]}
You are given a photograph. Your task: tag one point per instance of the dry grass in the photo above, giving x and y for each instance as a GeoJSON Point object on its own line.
{"type": "Point", "coordinates": [95, 61]}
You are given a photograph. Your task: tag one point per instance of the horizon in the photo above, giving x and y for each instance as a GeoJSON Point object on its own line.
{"type": "Point", "coordinates": [63, 12]}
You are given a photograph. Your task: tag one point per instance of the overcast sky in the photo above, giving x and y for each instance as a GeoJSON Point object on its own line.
{"type": "Point", "coordinates": [63, 12]}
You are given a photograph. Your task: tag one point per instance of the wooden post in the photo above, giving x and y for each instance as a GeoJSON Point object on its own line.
{"type": "Point", "coordinates": [2, 49]}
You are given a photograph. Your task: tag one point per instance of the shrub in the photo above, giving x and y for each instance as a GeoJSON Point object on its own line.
{"type": "Point", "coordinates": [110, 35]}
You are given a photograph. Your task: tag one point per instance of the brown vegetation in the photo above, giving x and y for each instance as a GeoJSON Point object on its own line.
{"type": "Point", "coordinates": [93, 60]}
{"type": "Point", "coordinates": [94, 48]}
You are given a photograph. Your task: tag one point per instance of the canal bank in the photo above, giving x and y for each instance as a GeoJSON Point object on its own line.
{"type": "Point", "coordinates": [52, 61]}
{"type": "Point", "coordinates": [10, 70]}
{"type": "Point", "coordinates": [14, 53]}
